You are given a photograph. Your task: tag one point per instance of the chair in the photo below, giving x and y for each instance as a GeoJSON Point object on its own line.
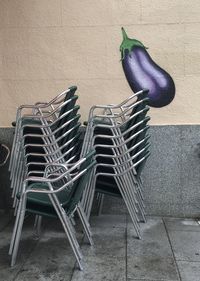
{"type": "Point", "coordinates": [32, 138]}
{"type": "Point", "coordinates": [41, 109]}
{"type": "Point", "coordinates": [121, 145]}
{"type": "Point", "coordinates": [38, 124]}
{"type": "Point", "coordinates": [57, 194]}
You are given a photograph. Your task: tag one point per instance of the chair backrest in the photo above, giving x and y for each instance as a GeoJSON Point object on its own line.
{"type": "Point", "coordinates": [68, 96]}
{"type": "Point", "coordinates": [79, 185]}
{"type": "Point", "coordinates": [64, 115]}
{"type": "Point", "coordinates": [139, 168]}
{"type": "Point", "coordinates": [140, 104]}
{"type": "Point", "coordinates": [72, 119]}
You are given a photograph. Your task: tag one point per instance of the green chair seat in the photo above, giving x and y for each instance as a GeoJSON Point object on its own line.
{"type": "Point", "coordinates": [42, 198]}
{"type": "Point", "coordinates": [30, 121]}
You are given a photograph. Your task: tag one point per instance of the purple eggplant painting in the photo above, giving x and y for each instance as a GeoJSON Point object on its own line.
{"type": "Point", "coordinates": [143, 73]}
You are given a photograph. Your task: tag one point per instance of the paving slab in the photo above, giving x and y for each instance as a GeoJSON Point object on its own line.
{"type": "Point", "coordinates": [154, 242]}
{"type": "Point", "coordinates": [26, 246]}
{"type": "Point", "coordinates": [52, 259]}
{"type": "Point", "coordinates": [107, 242]}
{"type": "Point", "coordinates": [109, 221]}
{"type": "Point", "coordinates": [189, 271]}
{"type": "Point", "coordinates": [116, 254]}
{"type": "Point", "coordinates": [186, 245]}
{"type": "Point", "coordinates": [152, 223]}
{"type": "Point", "coordinates": [151, 257]}
{"type": "Point", "coordinates": [153, 268]}
{"type": "Point", "coordinates": [181, 224]}
{"type": "Point", "coordinates": [101, 268]}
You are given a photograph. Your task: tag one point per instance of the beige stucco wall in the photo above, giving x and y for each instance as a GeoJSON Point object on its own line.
{"type": "Point", "coordinates": [48, 45]}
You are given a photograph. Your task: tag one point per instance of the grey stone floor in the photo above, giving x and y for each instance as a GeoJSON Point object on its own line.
{"type": "Point", "coordinates": [169, 251]}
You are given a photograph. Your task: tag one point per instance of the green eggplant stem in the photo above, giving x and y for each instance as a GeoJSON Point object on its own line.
{"type": "Point", "coordinates": [125, 36]}
{"type": "Point", "coordinates": [128, 44]}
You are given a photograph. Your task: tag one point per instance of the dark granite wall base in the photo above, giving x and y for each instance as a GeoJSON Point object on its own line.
{"type": "Point", "coordinates": [6, 137]}
{"type": "Point", "coordinates": [171, 176]}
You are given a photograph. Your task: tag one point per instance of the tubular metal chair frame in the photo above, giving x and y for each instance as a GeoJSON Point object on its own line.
{"type": "Point", "coordinates": [35, 109]}
{"type": "Point", "coordinates": [65, 220]}
{"type": "Point", "coordinates": [51, 155]}
{"type": "Point", "coordinates": [48, 137]}
{"type": "Point", "coordinates": [45, 126]}
{"type": "Point", "coordinates": [117, 135]}
{"type": "Point", "coordinates": [92, 126]}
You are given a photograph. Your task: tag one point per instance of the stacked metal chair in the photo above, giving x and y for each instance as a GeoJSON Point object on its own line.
{"type": "Point", "coordinates": [43, 137]}
{"type": "Point", "coordinates": [52, 169]}
{"type": "Point", "coordinates": [47, 174]}
{"type": "Point", "coordinates": [56, 195]}
{"type": "Point", "coordinates": [119, 137]}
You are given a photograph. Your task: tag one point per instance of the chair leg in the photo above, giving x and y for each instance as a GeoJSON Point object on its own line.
{"type": "Point", "coordinates": [73, 233]}
{"type": "Point", "coordinates": [65, 221]}
{"type": "Point", "coordinates": [73, 221]}
{"type": "Point", "coordinates": [85, 224]}
{"type": "Point", "coordinates": [100, 203]}
{"type": "Point", "coordinates": [15, 228]}
{"type": "Point", "coordinates": [37, 226]}
{"type": "Point", "coordinates": [90, 196]}
{"type": "Point", "coordinates": [17, 239]}
{"type": "Point", "coordinates": [72, 241]}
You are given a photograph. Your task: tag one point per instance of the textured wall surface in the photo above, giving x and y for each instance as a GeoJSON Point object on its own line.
{"type": "Point", "coordinates": [171, 176]}
{"type": "Point", "coordinates": [47, 45]}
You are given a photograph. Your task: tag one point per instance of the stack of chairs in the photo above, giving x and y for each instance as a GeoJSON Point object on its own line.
{"type": "Point", "coordinates": [34, 132]}
{"type": "Point", "coordinates": [54, 172]}
{"type": "Point", "coordinates": [47, 173]}
{"type": "Point", "coordinates": [119, 136]}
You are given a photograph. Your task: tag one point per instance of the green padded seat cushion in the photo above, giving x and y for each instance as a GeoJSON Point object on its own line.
{"type": "Point", "coordinates": [47, 211]}
{"type": "Point", "coordinates": [30, 121]}
{"type": "Point", "coordinates": [39, 203]}
{"type": "Point", "coordinates": [42, 198]}
{"type": "Point", "coordinates": [96, 121]}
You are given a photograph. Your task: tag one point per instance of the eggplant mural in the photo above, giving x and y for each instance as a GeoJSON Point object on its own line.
{"type": "Point", "coordinates": [143, 73]}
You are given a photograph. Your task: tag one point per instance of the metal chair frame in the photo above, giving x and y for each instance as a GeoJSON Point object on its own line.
{"type": "Point", "coordinates": [44, 126]}
{"type": "Point", "coordinates": [48, 138]}
{"type": "Point", "coordinates": [51, 155]}
{"type": "Point", "coordinates": [38, 107]}
{"type": "Point", "coordinates": [65, 220]}
{"type": "Point", "coordinates": [122, 157]}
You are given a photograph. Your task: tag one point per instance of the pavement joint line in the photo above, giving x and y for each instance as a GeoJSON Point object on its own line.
{"type": "Point", "coordinates": [179, 274]}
